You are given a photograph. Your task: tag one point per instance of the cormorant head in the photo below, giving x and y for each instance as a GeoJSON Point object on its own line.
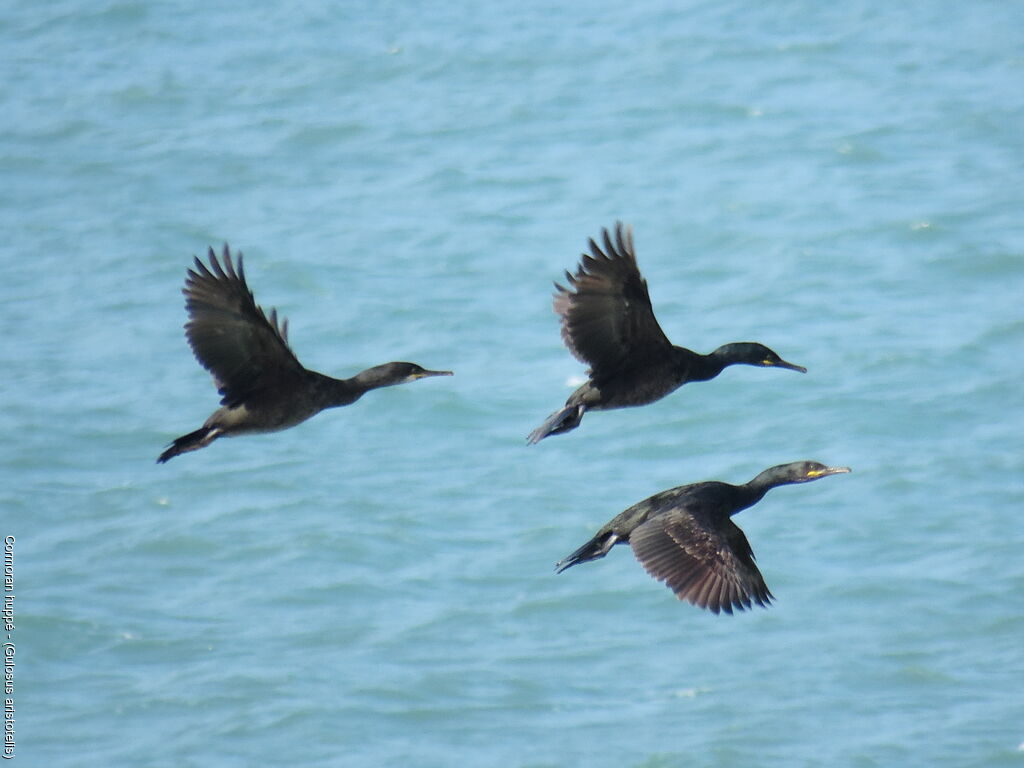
{"type": "Point", "coordinates": [802, 472]}
{"type": "Point", "coordinates": [752, 353]}
{"type": "Point", "coordinates": [390, 374]}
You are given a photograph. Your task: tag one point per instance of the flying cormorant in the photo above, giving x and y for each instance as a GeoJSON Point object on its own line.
{"type": "Point", "coordinates": [264, 386]}
{"type": "Point", "coordinates": [685, 537]}
{"type": "Point", "coordinates": [608, 323]}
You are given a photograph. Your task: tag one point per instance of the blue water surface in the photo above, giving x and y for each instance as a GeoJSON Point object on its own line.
{"type": "Point", "coordinates": [374, 588]}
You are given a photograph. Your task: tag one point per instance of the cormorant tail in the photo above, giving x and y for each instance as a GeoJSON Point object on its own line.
{"type": "Point", "coordinates": [193, 441]}
{"type": "Point", "coordinates": [558, 422]}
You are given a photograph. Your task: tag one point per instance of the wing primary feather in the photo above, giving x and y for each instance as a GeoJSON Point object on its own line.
{"type": "Point", "coordinates": [624, 239]}
{"type": "Point", "coordinates": [217, 269]}
{"type": "Point", "coordinates": [608, 247]}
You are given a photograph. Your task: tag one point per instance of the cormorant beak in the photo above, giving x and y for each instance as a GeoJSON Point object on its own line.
{"type": "Point", "coordinates": [828, 471]}
{"type": "Point", "coordinates": [425, 374]}
{"type": "Point", "coordinates": [784, 364]}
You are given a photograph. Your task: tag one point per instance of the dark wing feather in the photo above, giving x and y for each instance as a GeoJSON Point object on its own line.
{"type": "Point", "coordinates": [606, 310]}
{"type": "Point", "coordinates": [706, 561]}
{"type": "Point", "coordinates": [230, 335]}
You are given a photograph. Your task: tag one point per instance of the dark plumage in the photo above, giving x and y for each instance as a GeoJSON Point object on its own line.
{"type": "Point", "coordinates": [264, 386]}
{"type": "Point", "coordinates": [608, 323]}
{"type": "Point", "coordinates": [685, 537]}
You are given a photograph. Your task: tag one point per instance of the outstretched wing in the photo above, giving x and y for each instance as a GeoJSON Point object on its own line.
{"type": "Point", "coordinates": [605, 311]}
{"type": "Point", "coordinates": [705, 560]}
{"type": "Point", "coordinates": [230, 335]}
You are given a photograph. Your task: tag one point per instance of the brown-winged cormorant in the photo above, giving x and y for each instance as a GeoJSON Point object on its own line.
{"type": "Point", "coordinates": [685, 538]}
{"type": "Point", "coordinates": [264, 386]}
{"type": "Point", "coordinates": [608, 323]}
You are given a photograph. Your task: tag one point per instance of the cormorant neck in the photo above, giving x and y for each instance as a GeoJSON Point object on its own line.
{"type": "Point", "coordinates": [756, 489]}
{"type": "Point", "coordinates": [376, 377]}
{"type": "Point", "coordinates": [731, 354]}
{"type": "Point", "coordinates": [332, 392]}
{"type": "Point", "coordinates": [697, 367]}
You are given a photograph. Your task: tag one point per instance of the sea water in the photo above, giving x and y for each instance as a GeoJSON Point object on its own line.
{"type": "Point", "coordinates": [841, 182]}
